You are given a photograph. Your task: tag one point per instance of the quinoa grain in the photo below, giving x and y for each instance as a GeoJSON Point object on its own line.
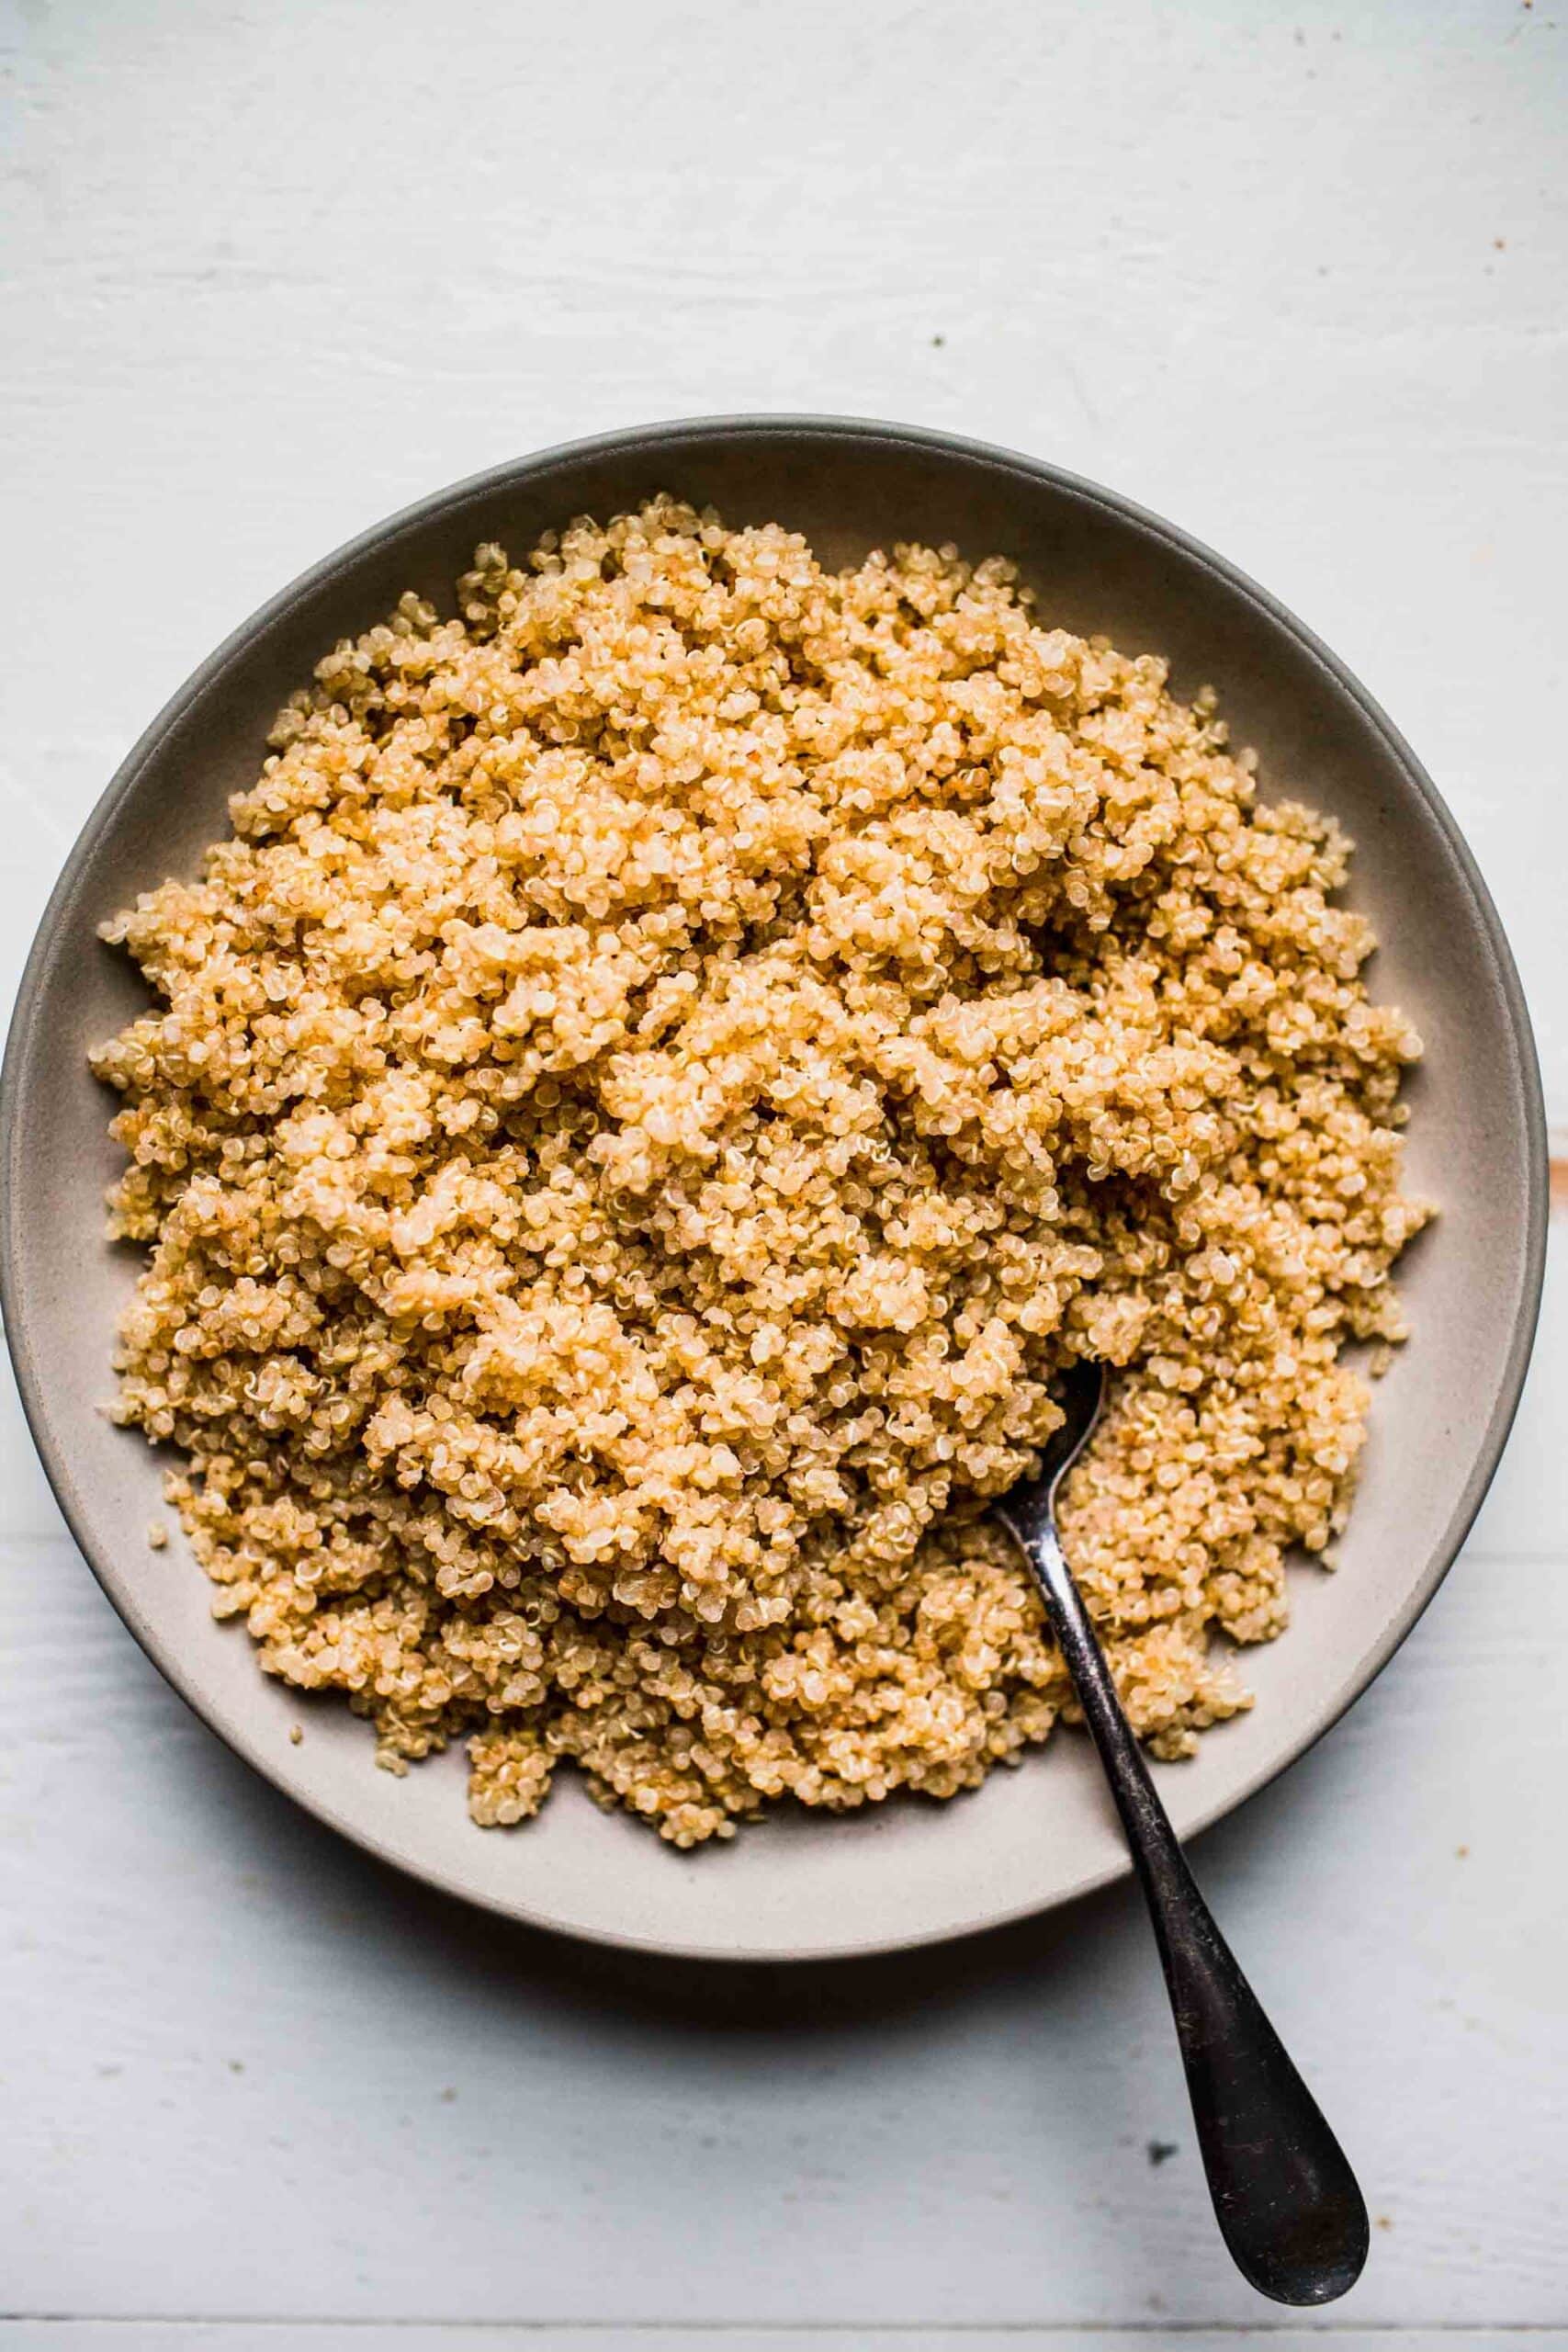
{"type": "Point", "coordinates": [668, 1064]}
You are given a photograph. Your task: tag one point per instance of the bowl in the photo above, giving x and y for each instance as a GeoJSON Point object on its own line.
{"type": "Point", "coordinates": [907, 1871]}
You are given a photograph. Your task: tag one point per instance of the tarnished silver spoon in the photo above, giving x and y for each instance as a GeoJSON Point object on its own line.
{"type": "Point", "coordinates": [1285, 2198]}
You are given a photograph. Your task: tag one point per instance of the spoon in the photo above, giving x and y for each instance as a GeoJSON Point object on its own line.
{"type": "Point", "coordinates": [1285, 2198]}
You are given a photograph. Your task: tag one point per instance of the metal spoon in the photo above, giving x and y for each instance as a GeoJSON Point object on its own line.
{"type": "Point", "coordinates": [1285, 2198]}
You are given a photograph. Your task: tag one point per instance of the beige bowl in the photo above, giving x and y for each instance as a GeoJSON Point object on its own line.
{"type": "Point", "coordinates": [804, 1886]}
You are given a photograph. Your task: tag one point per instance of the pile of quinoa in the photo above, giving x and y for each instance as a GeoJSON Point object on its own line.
{"type": "Point", "coordinates": [669, 1065]}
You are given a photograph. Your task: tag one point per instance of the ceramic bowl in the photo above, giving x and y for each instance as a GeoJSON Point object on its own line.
{"type": "Point", "coordinates": [907, 1871]}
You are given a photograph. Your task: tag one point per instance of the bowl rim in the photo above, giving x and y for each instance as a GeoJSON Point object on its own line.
{"type": "Point", "coordinates": [657, 439]}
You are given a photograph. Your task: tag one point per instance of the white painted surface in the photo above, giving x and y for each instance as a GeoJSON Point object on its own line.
{"type": "Point", "coordinates": [204, 2336]}
{"type": "Point", "coordinates": [271, 269]}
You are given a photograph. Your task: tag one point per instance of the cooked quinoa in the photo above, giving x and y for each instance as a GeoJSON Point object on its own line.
{"type": "Point", "coordinates": [669, 1065]}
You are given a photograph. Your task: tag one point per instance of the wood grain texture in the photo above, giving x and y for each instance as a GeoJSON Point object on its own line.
{"type": "Point", "coordinates": [241, 2336]}
{"type": "Point", "coordinates": [1292, 275]}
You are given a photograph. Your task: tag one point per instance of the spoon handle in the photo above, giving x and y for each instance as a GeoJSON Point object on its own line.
{"type": "Point", "coordinates": [1286, 2201]}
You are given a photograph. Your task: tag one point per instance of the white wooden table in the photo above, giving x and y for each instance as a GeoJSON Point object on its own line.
{"type": "Point", "coordinates": [1291, 272]}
